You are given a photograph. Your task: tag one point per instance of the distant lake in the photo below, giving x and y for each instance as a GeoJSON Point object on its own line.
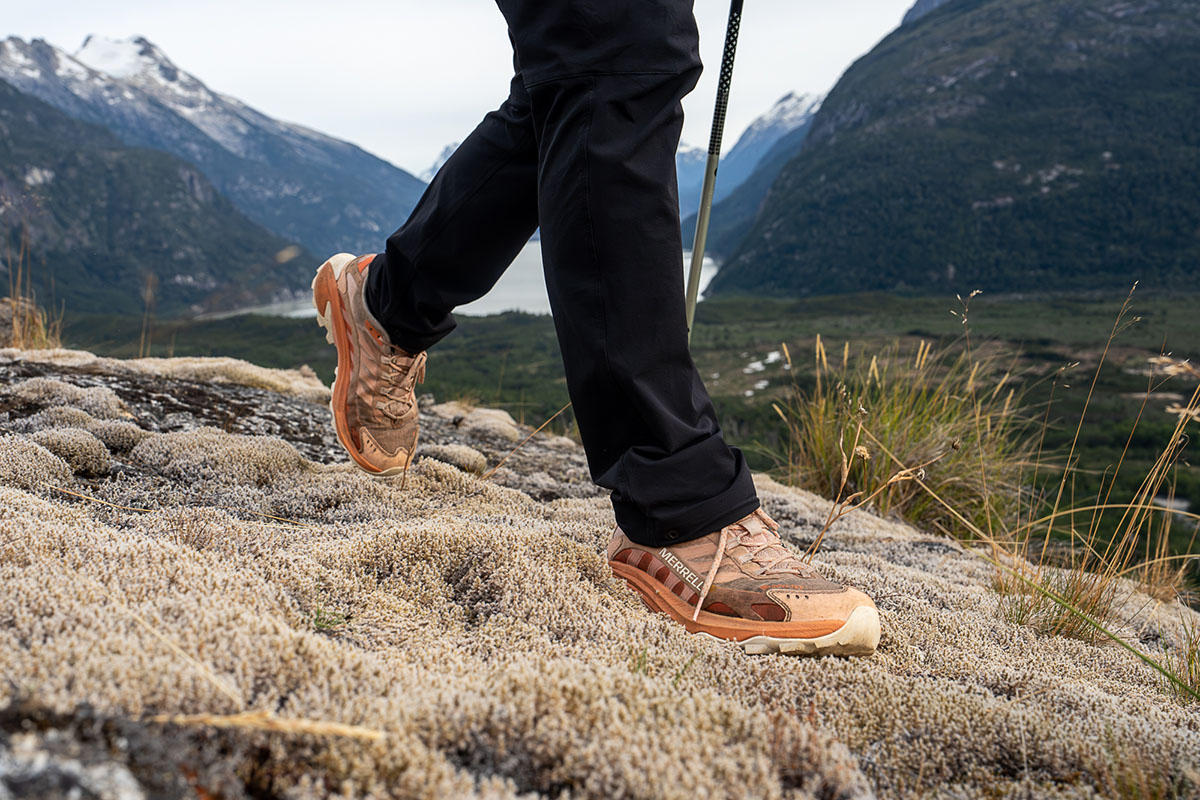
{"type": "Point", "coordinates": [521, 288]}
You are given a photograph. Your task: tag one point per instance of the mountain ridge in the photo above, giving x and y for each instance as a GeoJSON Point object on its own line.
{"type": "Point", "coordinates": [322, 192]}
{"type": "Point", "coordinates": [100, 217]}
{"type": "Point", "coordinates": [996, 145]}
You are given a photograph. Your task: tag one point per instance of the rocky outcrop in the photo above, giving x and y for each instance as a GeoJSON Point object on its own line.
{"type": "Point", "coordinates": [226, 559]}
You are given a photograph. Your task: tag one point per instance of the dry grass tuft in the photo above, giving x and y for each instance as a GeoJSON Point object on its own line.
{"type": "Point", "coordinates": [868, 420]}
{"type": "Point", "coordinates": [1093, 588]}
{"type": "Point", "coordinates": [989, 494]}
{"type": "Point", "coordinates": [23, 323]}
{"type": "Point", "coordinates": [1183, 661]}
{"type": "Point", "coordinates": [28, 326]}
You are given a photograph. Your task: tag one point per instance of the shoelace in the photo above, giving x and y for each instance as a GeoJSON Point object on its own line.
{"type": "Point", "coordinates": [397, 377]}
{"type": "Point", "coordinates": [763, 548]}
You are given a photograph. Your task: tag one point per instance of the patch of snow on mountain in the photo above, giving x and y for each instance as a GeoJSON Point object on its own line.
{"type": "Point", "coordinates": [69, 68]}
{"type": "Point", "coordinates": [790, 111]}
{"type": "Point", "coordinates": [12, 51]}
{"type": "Point", "coordinates": [36, 176]}
{"type": "Point", "coordinates": [140, 63]}
{"type": "Point", "coordinates": [120, 58]}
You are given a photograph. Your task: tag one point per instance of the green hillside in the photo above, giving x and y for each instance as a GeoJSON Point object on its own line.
{"type": "Point", "coordinates": [733, 215]}
{"type": "Point", "coordinates": [998, 144]}
{"type": "Point", "coordinates": [100, 217]}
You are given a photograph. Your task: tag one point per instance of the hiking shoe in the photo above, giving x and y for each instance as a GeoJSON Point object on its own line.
{"type": "Point", "coordinates": [743, 584]}
{"type": "Point", "coordinates": [374, 403]}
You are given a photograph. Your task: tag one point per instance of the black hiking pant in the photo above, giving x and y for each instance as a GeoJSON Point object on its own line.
{"type": "Point", "coordinates": [585, 147]}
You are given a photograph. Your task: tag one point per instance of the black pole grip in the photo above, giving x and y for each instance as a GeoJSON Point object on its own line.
{"type": "Point", "coordinates": [726, 78]}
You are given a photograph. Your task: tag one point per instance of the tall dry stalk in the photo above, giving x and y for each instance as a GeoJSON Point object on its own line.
{"type": "Point", "coordinates": [31, 327]}
{"type": "Point", "coordinates": [149, 291]}
{"type": "Point", "coordinates": [1097, 563]}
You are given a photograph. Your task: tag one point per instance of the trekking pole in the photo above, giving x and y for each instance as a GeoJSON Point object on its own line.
{"type": "Point", "coordinates": [714, 159]}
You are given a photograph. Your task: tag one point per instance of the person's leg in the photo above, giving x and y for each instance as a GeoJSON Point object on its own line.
{"type": "Point", "coordinates": [473, 219]}
{"type": "Point", "coordinates": [605, 84]}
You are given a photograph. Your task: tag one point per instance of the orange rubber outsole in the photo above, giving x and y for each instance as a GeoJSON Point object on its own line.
{"type": "Point", "coordinates": [659, 598]}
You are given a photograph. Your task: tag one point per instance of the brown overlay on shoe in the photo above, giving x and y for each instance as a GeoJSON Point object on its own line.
{"type": "Point", "coordinates": [741, 583]}
{"type": "Point", "coordinates": [374, 399]}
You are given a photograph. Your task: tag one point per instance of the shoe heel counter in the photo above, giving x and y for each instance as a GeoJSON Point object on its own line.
{"type": "Point", "coordinates": [615, 543]}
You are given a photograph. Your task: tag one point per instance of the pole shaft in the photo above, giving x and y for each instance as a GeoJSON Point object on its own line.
{"type": "Point", "coordinates": [714, 160]}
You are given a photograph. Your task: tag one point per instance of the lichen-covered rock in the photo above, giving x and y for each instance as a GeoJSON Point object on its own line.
{"type": "Point", "coordinates": [83, 452]}
{"type": "Point", "coordinates": [465, 458]}
{"type": "Point", "coordinates": [477, 624]}
{"type": "Point", "coordinates": [301, 382]}
{"type": "Point", "coordinates": [97, 401]}
{"type": "Point", "coordinates": [481, 422]}
{"type": "Point", "coordinates": [59, 417]}
{"type": "Point", "coordinates": [212, 456]}
{"type": "Point", "coordinates": [118, 435]}
{"type": "Point", "coordinates": [25, 464]}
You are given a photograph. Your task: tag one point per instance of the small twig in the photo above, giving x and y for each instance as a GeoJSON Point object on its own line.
{"type": "Point", "coordinates": [203, 669]}
{"type": "Point", "coordinates": [266, 721]}
{"type": "Point", "coordinates": [488, 474]}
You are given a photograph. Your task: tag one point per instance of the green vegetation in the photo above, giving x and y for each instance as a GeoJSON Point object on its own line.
{"type": "Point", "coordinates": [325, 620]}
{"type": "Point", "coordinates": [1007, 145]}
{"type": "Point", "coordinates": [1032, 366]}
{"type": "Point", "coordinates": [1004, 499]}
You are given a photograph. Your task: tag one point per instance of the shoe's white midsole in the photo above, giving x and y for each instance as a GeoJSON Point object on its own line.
{"type": "Point", "coordinates": [858, 637]}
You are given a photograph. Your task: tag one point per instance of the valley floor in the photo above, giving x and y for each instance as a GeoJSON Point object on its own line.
{"type": "Point", "coordinates": [229, 561]}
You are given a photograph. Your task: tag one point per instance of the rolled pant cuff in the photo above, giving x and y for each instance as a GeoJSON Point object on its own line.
{"type": "Point", "coordinates": [706, 517]}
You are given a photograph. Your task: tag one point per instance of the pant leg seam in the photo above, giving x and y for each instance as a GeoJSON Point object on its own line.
{"type": "Point", "coordinates": [622, 477]}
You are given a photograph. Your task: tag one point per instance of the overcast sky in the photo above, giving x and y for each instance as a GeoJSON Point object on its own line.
{"type": "Point", "coordinates": [404, 78]}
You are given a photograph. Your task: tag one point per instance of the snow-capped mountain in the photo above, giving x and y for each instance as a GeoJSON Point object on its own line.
{"type": "Point", "coordinates": [106, 218]}
{"type": "Point", "coordinates": [790, 113]}
{"type": "Point", "coordinates": [749, 168]}
{"type": "Point", "coordinates": [325, 193]}
{"type": "Point", "coordinates": [788, 119]}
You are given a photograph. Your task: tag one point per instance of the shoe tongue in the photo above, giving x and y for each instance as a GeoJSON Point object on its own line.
{"type": "Point", "coordinates": [757, 531]}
